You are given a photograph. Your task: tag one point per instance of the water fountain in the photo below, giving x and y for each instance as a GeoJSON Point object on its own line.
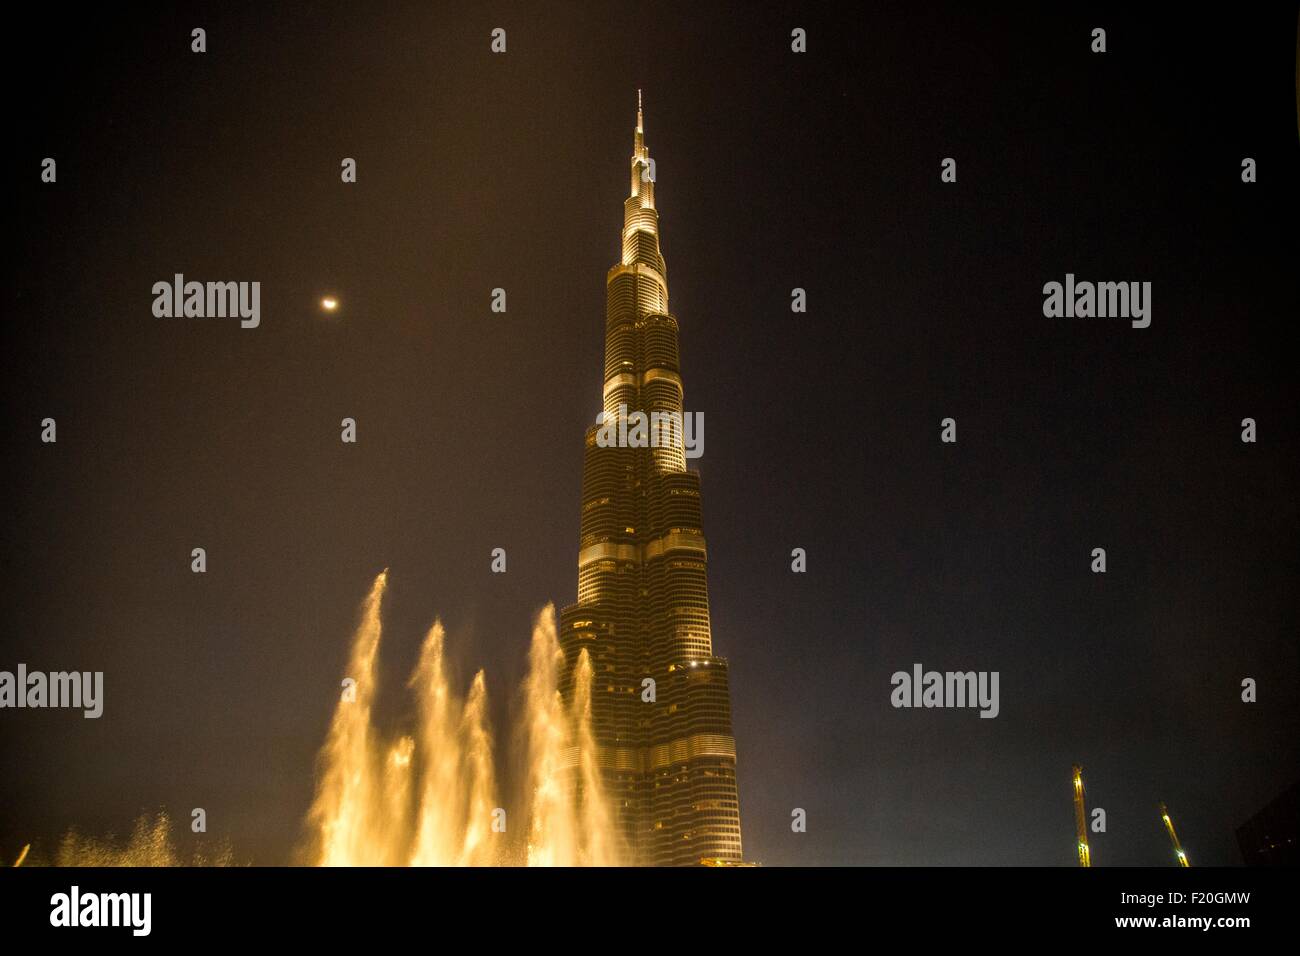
{"type": "Point", "coordinates": [431, 798]}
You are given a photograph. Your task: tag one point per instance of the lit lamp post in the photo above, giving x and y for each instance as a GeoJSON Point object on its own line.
{"type": "Point", "coordinates": [1173, 836]}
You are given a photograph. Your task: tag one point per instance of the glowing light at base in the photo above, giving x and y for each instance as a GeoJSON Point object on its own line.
{"type": "Point", "coordinates": [329, 303]}
{"type": "Point", "coordinates": [431, 798]}
{"type": "Point", "coordinates": [151, 844]}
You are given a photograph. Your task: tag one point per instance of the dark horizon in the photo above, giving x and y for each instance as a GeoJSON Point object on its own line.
{"type": "Point", "coordinates": [774, 171]}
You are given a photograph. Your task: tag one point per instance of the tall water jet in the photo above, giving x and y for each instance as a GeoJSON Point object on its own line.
{"type": "Point", "coordinates": [480, 778]}
{"type": "Point", "coordinates": [595, 820]}
{"type": "Point", "coordinates": [552, 840]}
{"type": "Point", "coordinates": [439, 826]}
{"type": "Point", "coordinates": [343, 815]}
{"type": "Point", "coordinates": [570, 823]}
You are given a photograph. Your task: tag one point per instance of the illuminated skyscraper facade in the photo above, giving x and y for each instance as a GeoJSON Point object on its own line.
{"type": "Point", "coordinates": [669, 763]}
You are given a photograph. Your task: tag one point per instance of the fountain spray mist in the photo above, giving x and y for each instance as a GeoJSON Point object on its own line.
{"type": "Point", "coordinates": [431, 798]}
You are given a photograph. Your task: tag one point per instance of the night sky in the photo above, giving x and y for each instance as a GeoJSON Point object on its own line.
{"type": "Point", "coordinates": [775, 170]}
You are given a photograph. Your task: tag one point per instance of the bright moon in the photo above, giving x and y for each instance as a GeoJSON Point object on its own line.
{"type": "Point", "coordinates": [329, 303]}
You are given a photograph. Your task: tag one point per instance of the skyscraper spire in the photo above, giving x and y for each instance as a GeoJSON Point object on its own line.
{"type": "Point", "coordinates": [639, 151]}
{"type": "Point", "coordinates": [642, 165]}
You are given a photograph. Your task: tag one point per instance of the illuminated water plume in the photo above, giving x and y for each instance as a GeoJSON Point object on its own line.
{"type": "Point", "coordinates": [431, 798]}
